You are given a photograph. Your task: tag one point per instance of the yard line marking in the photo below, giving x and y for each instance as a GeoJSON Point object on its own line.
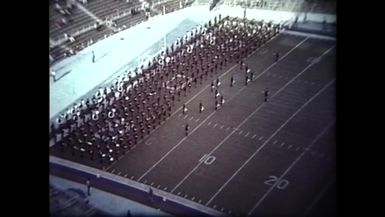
{"type": "Point", "coordinates": [222, 126]}
{"type": "Point", "coordinates": [227, 129]}
{"type": "Point", "coordinates": [247, 134]}
{"type": "Point", "coordinates": [254, 136]}
{"type": "Point", "coordinates": [240, 132]}
{"type": "Point", "coordinates": [158, 186]}
{"type": "Point", "coordinates": [264, 144]}
{"type": "Point", "coordinates": [209, 123]}
{"type": "Point", "coordinates": [90, 211]}
{"type": "Point", "coordinates": [297, 149]}
{"type": "Point", "coordinates": [184, 138]}
{"type": "Point", "coordinates": [282, 144]}
{"type": "Point", "coordinates": [207, 86]}
{"type": "Point", "coordinates": [165, 188]}
{"type": "Point", "coordinates": [191, 118]}
{"type": "Point", "coordinates": [292, 164]}
{"type": "Point", "coordinates": [180, 114]}
{"type": "Point", "coordinates": [215, 125]}
{"type": "Point", "coordinates": [260, 138]}
{"type": "Point", "coordinates": [244, 121]}
{"type": "Point", "coordinates": [197, 120]}
{"type": "Point", "coordinates": [301, 34]}
{"type": "Point", "coordinates": [250, 114]}
{"type": "Point", "coordinates": [180, 142]}
{"type": "Point", "coordinates": [280, 58]}
{"type": "Point", "coordinates": [289, 147]}
{"type": "Point", "coordinates": [125, 175]}
{"type": "Point", "coordinates": [318, 197]}
{"type": "Point", "coordinates": [275, 142]}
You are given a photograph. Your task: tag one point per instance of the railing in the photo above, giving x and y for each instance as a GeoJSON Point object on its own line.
{"type": "Point", "coordinates": [75, 33]}
{"type": "Point", "coordinates": [279, 5]}
{"type": "Point", "coordinates": [86, 28]}
{"type": "Point", "coordinates": [275, 4]}
{"type": "Point", "coordinates": [89, 27]}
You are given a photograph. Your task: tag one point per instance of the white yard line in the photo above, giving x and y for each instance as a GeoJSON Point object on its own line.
{"type": "Point", "coordinates": [266, 142]}
{"type": "Point", "coordinates": [293, 163]}
{"type": "Point", "coordinates": [244, 121]}
{"type": "Point", "coordinates": [319, 196]}
{"type": "Point", "coordinates": [180, 142]}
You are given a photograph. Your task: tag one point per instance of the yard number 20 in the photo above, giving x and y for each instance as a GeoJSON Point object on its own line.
{"type": "Point", "coordinates": [282, 184]}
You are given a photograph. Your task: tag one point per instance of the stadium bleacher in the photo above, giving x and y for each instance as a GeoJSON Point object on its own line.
{"type": "Point", "coordinates": [81, 20]}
